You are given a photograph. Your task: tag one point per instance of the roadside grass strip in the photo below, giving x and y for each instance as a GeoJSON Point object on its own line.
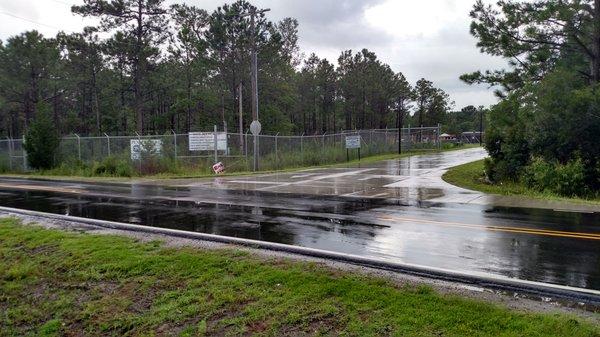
{"type": "Point", "coordinates": [471, 176]}
{"type": "Point", "coordinates": [56, 283]}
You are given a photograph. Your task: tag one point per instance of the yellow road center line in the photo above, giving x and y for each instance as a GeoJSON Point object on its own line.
{"type": "Point", "coordinates": [591, 236]}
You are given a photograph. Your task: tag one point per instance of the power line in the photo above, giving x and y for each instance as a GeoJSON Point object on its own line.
{"type": "Point", "coordinates": [62, 2]}
{"type": "Point", "coordinates": [57, 28]}
{"type": "Point", "coordinates": [34, 22]}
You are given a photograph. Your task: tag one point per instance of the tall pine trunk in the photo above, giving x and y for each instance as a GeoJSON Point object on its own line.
{"type": "Point", "coordinates": [595, 62]}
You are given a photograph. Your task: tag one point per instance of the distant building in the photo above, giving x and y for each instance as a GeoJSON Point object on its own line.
{"type": "Point", "coordinates": [471, 136]}
{"type": "Point", "coordinates": [445, 137]}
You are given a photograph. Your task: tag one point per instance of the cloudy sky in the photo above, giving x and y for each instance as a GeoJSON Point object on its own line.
{"type": "Point", "coordinates": [420, 38]}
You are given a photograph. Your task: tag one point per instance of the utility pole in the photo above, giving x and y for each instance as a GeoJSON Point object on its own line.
{"type": "Point", "coordinates": [254, 78]}
{"type": "Point", "coordinates": [241, 125]}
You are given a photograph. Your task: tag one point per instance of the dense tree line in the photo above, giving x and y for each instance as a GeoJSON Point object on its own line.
{"type": "Point", "coordinates": [150, 69]}
{"type": "Point", "coordinates": [468, 119]}
{"type": "Point", "coordinates": [546, 129]}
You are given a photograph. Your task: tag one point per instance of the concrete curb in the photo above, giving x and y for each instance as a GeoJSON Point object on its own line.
{"type": "Point", "coordinates": [475, 279]}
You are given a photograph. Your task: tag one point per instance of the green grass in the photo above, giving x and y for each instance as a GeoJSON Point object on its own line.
{"type": "Point", "coordinates": [55, 283]}
{"type": "Point", "coordinates": [471, 176]}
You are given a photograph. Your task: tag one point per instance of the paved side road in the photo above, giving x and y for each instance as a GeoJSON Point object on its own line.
{"type": "Point", "coordinates": [408, 181]}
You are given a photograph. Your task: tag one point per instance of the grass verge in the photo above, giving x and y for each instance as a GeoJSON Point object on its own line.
{"type": "Point", "coordinates": [188, 173]}
{"type": "Point", "coordinates": [65, 283]}
{"type": "Point", "coordinates": [471, 176]}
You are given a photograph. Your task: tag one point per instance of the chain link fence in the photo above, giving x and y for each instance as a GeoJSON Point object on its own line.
{"type": "Point", "coordinates": [198, 151]}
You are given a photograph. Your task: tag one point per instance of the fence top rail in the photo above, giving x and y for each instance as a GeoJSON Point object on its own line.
{"type": "Point", "coordinates": [237, 134]}
{"type": "Point", "coordinates": [82, 138]}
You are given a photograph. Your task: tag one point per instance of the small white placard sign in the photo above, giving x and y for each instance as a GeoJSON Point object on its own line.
{"type": "Point", "coordinates": [150, 146]}
{"type": "Point", "coordinates": [205, 141]}
{"type": "Point", "coordinates": [353, 142]}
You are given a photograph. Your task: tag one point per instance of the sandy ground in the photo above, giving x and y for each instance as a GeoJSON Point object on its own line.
{"type": "Point", "coordinates": [509, 300]}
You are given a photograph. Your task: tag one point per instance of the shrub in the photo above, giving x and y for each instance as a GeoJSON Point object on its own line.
{"type": "Point", "coordinates": [506, 143]}
{"type": "Point", "coordinates": [4, 164]}
{"type": "Point", "coordinates": [114, 167]}
{"type": "Point", "coordinates": [571, 179]}
{"type": "Point", "coordinates": [41, 142]}
{"type": "Point", "coordinates": [539, 175]}
{"type": "Point", "coordinates": [563, 179]}
{"type": "Point", "coordinates": [70, 168]}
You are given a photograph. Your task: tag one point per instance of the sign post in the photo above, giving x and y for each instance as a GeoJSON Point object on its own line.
{"type": "Point", "coordinates": [255, 129]}
{"type": "Point", "coordinates": [215, 144]}
{"type": "Point", "coordinates": [352, 142]}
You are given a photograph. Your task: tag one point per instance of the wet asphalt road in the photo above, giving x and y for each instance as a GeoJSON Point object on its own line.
{"type": "Point", "coordinates": [419, 220]}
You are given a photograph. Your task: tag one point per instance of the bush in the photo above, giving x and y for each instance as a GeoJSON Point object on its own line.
{"type": "Point", "coordinates": [539, 175]}
{"type": "Point", "coordinates": [563, 179]}
{"type": "Point", "coordinates": [70, 168]}
{"type": "Point", "coordinates": [4, 164]}
{"type": "Point", "coordinates": [555, 122]}
{"type": "Point", "coordinates": [41, 142]}
{"type": "Point", "coordinates": [114, 167]}
{"type": "Point", "coordinates": [506, 143]}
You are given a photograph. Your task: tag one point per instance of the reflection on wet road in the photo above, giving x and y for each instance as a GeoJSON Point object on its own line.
{"type": "Point", "coordinates": [540, 245]}
{"type": "Point", "coordinates": [409, 180]}
{"type": "Point", "coordinates": [423, 224]}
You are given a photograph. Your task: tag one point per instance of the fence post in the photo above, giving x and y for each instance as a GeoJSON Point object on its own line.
{"type": "Point", "coordinates": [216, 140]}
{"type": "Point", "coordinates": [226, 139]}
{"type": "Point", "coordinates": [246, 144]}
{"type": "Point", "coordinates": [276, 156]}
{"type": "Point", "coordinates": [409, 145]}
{"type": "Point", "coordinates": [24, 154]}
{"type": "Point", "coordinates": [323, 144]}
{"type": "Point", "coordinates": [108, 143]}
{"type": "Point", "coordinates": [302, 147]}
{"type": "Point", "coordinates": [175, 144]}
{"type": "Point", "coordinates": [78, 146]}
{"type": "Point", "coordinates": [140, 150]}
{"type": "Point", "coordinates": [10, 153]}
{"type": "Point", "coordinates": [437, 135]}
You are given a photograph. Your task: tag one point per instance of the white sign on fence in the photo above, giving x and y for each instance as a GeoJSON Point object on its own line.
{"type": "Point", "coordinates": [353, 142]}
{"type": "Point", "coordinates": [205, 141]}
{"type": "Point", "coordinates": [149, 146]}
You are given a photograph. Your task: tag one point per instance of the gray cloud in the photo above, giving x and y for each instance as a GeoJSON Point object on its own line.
{"type": "Point", "coordinates": [329, 26]}
{"type": "Point", "coordinates": [323, 24]}
{"type": "Point", "coordinates": [335, 23]}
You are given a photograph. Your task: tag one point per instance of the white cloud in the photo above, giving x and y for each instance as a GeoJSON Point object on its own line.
{"type": "Point", "coordinates": [414, 18]}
